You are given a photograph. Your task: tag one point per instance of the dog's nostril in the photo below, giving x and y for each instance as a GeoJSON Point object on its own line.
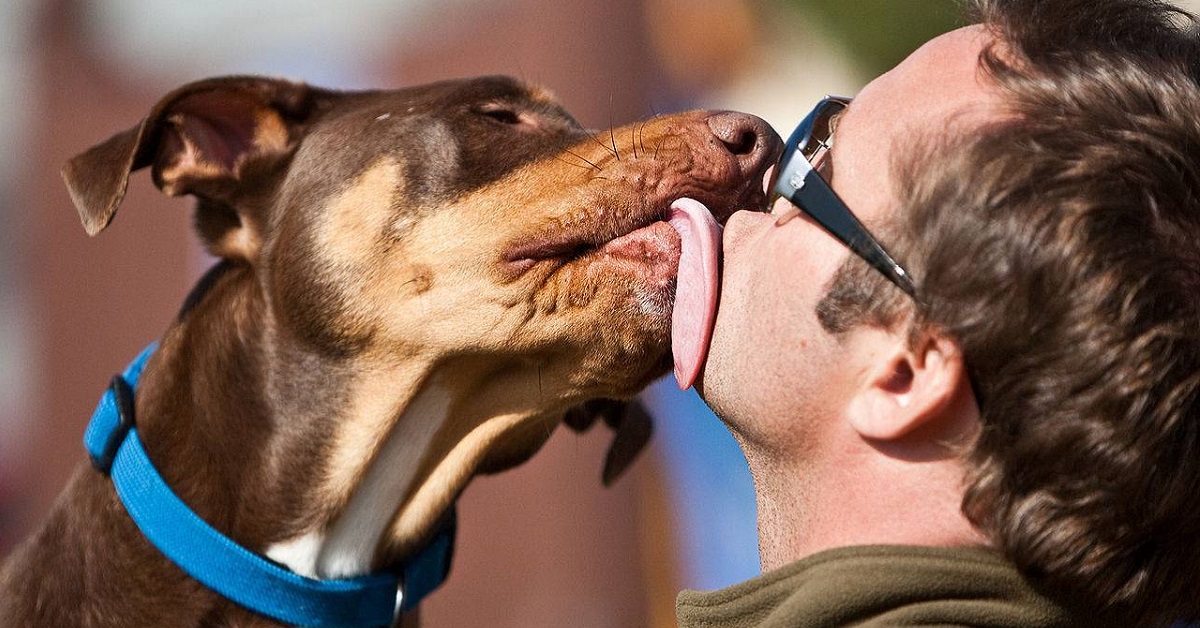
{"type": "Point", "coordinates": [748, 138]}
{"type": "Point", "coordinates": [744, 145]}
{"type": "Point", "coordinates": [739, 132]}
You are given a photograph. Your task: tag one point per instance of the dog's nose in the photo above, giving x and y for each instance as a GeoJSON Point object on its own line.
{"type": "Point", "coordinates": [748, 138]}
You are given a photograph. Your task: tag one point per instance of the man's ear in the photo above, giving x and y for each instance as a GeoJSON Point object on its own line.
{"type": "Point", "coordinates": [909, 387]}
{"type": "Point", "coordinates": [203, 139]}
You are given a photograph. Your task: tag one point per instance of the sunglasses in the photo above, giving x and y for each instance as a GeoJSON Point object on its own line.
{"type": "Point", "coordinates": [798, 179]}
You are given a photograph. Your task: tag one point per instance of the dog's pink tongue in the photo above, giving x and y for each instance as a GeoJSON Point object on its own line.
{"type": "Point", "coordinates": [696, 289]}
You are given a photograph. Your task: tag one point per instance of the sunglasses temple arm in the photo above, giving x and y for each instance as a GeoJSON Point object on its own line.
{"type": "Point", "coordinates": [819, 201]}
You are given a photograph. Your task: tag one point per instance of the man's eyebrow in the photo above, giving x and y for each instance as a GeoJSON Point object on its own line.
{"type": "Point", "coordinates": [827, 165]}
{"type": "Point", "coordinates": [836, 119]}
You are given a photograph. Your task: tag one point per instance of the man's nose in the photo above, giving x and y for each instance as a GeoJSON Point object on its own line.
{"type": "Point", "coordinates": [743, 232]}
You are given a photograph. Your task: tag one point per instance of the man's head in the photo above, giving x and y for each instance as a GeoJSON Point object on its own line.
{"type": "Point", "coordinates": [1040, 179]}
{"type": "Point", "coordinates": [771, 271]}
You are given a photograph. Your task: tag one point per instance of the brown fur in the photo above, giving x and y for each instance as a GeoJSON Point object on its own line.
{"type": "Point", "coordinates": [409, 278]}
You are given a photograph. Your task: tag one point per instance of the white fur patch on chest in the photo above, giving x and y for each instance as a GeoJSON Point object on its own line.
{"type": "Point", "coordinates": [345, 549]}
{"type": "Point", "coordinates": [299, 554]}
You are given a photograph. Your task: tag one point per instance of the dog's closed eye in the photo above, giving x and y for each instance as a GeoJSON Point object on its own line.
{"type": "Point", "coordinates": [500, 113]}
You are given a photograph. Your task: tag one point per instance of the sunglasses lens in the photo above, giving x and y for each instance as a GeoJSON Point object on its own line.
{"type": "Point", "coordinates": [819, 136]}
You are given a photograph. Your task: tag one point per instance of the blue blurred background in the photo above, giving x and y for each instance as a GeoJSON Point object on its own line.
{"type": "Point", "coordinates": [73, 309]}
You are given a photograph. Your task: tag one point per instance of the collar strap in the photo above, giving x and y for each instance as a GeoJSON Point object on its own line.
{"type": "Point", "coordinates": [229, 569]}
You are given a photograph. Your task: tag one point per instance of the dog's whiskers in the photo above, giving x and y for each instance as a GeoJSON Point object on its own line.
{"type": "Point", "coordinates": [640, 136]}
{"type": "Point", "coordinates": [569, 163]}
{"type": "Point", "coordinates": [641, 131]}
{"type": "Point", "coordinates": [606, 147]}
{"type": "Point", "coordinates": [611, 135]}
{"type": "Point", "coordinates": [585, 159]}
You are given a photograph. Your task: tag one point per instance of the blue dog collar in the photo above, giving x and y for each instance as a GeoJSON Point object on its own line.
{"type": "Point", "coordinates": [219, 563]}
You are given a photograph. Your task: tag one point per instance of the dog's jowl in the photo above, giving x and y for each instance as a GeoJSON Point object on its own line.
{"type": "Point", "coordinates": [415, 286]}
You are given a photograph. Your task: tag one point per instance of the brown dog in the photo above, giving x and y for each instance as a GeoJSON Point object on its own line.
{"type": "Point", "coordinates": [415, 287]}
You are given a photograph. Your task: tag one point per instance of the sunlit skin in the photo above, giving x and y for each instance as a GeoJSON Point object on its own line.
{"type": "Point", "coordinates": [845, 436]}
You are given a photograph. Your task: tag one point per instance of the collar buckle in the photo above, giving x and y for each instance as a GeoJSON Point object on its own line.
{"type": "Point", "coordinates": [120, 396]}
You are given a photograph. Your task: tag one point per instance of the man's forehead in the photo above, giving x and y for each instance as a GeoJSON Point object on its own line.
{"type": "Point", "coordinates": [941, 78]}
{"type": "Point", "coordinates": [937, 89]}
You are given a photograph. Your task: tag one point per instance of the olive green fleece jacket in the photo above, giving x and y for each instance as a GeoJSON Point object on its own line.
{"type": "Point", "coordinates": [881, 586]}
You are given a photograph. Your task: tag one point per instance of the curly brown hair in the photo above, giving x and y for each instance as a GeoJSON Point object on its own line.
{"type": "Point", "coordinates": [1061, 248]}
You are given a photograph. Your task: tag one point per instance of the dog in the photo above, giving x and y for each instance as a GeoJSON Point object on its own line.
{"type": "Point", "coordinates": [413, 287]}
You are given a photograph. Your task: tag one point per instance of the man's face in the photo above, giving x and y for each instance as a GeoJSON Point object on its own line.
{"type": "Point", "coordinates": [772, 372]}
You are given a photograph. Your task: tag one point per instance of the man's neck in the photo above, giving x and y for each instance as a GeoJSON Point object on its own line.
{"type": "Point", "coordinates": [857, 497]}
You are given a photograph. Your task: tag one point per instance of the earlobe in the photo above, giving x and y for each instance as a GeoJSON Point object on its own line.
{"type": "Point", "coordinates": [908, 388]}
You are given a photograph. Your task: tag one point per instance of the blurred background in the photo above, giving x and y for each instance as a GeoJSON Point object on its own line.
{"type": "Point", "coordinates": [73, 310]}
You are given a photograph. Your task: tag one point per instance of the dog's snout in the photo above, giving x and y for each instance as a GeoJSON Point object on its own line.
{"type": "Point", "coordinates": [748, 138]}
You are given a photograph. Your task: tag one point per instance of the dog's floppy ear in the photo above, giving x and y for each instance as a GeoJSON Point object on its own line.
{"type": "Point", "coordinates": [630, 422]}
{"type": "Point", "coordinates": [201, 139]}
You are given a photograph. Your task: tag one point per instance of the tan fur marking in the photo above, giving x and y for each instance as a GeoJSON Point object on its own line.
{"type": "Point", "coordinates": [270, 134]}
{"type": "Point", "coordinates": [244, 242]}
{"type": "Point", "coordinates": [450, 264]}
{"type": "Point", "coordinates": [188, 166]}
{"type": "Point", "coordinates": [542, 94]}
{"type": "Point", "coordinates": [352, 539]}
{"type": "Point", "coordinates": [439, 289]}
{"type": "Point", "coordinates": [422, 279]}
{"type": "Point", "coordinates": [372, 408]}
{"type": "Point", "coordinates": [361, 213]}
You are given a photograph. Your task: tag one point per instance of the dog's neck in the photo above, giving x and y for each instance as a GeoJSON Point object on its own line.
{"type": "Point", "coordinates": [332, 467]}
{"type": "Point", "coordinates": [373, 448]}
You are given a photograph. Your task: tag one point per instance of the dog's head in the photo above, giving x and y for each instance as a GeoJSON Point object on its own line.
{"type": "Point", "coordinates": [462, 217]}
{"type": "Point", "coordinates": [473, 227]}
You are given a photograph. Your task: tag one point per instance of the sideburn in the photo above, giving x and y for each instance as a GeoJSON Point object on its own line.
{"type": "Point", "coordinates": [858, 295]}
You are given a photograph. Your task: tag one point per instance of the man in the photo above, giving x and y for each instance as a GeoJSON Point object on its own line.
{"type": "Point", "coordinates": [1003, 428]}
